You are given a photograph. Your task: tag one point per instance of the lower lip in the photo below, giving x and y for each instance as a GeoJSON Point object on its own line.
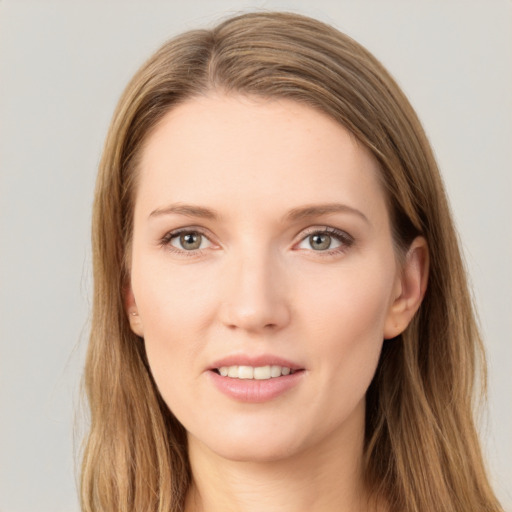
{"type": "Point", "coordinates": [253, 390]}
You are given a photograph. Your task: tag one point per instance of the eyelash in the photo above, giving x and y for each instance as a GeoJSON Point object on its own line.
{"type": "Point", "coordinates": [167, 238]}
{"type": "Point", "coordinates": [343, 237]}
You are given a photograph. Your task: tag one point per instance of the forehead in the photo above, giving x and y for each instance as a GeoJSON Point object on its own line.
{"type": "Point", "coordinates": [252, 152]}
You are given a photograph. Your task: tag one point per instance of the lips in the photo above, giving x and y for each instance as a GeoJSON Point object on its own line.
{"type": "Point", "coordinates": [255, 379]}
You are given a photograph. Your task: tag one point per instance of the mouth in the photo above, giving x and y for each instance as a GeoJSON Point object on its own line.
{"type": "Point", "coordinates": [255, 379]}
{"type": "Point", "coordinates": [244, 372]}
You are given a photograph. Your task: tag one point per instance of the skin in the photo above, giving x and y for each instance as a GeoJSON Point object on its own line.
{"type": "Point", "coordinates": [258, 285]}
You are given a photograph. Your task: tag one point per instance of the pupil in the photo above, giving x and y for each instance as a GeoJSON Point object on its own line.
{"type": "Point", "coordinates": [320, 242]}
{"type": "Point", "coordinates": [191, 241]}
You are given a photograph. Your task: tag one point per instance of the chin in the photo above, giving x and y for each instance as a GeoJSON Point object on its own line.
{"type": "Point", "coordinates": [255, 452]}
{"type": "Point", "coordinates": [254, 445]}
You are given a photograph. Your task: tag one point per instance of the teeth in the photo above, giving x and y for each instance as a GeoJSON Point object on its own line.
{"type": "Point", "coordinates": [262, 372]}
{"type": "Point", "coordinates": [245, 372]}
{"type": "Point", "coordinates": [250, 372]}
{"type": "Point", "coordinates": [275, 371]}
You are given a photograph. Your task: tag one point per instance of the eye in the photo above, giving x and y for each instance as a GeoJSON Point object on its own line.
{"type": "Point", "coordinates": [321, 242]}
{"type": "Point", "coordinates": [187, 240]}
{"type": "Point", "coordinates": [328, 240]}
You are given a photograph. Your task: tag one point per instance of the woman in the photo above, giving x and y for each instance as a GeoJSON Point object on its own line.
{"type": "Point", "coordinates": [281, 317]}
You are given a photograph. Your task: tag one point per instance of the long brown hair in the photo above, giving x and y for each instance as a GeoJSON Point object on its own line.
{"type": "Point", "coordinates": [421, 446]}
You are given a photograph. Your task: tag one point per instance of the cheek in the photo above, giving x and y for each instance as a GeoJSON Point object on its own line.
{"type": "Point", "coordinates": [349, 301]}
{"type": "Point", "coordinates": [175, 306]}
{"type": "Point", "coordinates": [346, 318]}
{"type": "Point", "coordinates": [170, 298]}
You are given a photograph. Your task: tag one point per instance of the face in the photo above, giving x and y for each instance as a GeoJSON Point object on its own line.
{"type": "Point", "coordinates": [263, 274]}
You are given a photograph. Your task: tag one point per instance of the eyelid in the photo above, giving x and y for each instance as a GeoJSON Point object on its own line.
{"type": "Point", "coordinates": [342, 236]}
{"type": "Point", "coordinates": [165, 241]}
{"type": "Point", "coordinates": [346, 240]}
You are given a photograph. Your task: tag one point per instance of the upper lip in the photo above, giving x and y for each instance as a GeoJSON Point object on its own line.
{"type": "Point", "coordinates": [254, 361]}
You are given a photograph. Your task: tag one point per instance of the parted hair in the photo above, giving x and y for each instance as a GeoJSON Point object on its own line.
{"type": "Point", "coordinates": [421, 448]}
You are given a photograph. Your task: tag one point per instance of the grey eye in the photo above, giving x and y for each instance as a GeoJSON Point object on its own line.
{"type": "Point", "coordinates": [189, 241]}
{"type": "Point", "coordinates": [323, 240]}
{"type": "Point", "coordinates": [320, 241]}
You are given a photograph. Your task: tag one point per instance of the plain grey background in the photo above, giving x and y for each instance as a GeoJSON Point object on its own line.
{"type": "Point", "coordinates": [62, 68]}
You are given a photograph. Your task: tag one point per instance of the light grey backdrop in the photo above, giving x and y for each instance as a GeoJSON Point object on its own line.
{"type": "Point", "coordinates": [62, 68]}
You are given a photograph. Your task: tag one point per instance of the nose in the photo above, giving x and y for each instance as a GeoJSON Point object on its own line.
{"type": "Point", "coordinates": [255, 294]}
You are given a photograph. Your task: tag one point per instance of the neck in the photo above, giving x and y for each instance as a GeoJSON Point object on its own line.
{"type": "Point", "coordinates": [326, 477]}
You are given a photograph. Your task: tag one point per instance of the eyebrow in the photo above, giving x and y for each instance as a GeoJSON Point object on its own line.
{"type": "Point", "coordinates": [186, 209]}
{"type": "Point", "coordinates": [294, 215]}
{"type": "Point", "coordinates": [305, 212]}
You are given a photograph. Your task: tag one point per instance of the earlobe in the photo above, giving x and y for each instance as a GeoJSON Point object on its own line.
{"type": "Point", "coordinates": [133, 313]}
{"type": "Point", "coordinates": [411, 286]}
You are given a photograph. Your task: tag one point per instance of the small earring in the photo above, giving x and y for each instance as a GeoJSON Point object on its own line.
{"type": "Point", "coordinates": [133, 313]}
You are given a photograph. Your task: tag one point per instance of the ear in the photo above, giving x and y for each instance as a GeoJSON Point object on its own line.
{"type": "Point", "coordinates": [410, 288]}
{"type": "Point", "coordinates": [130, 306]}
